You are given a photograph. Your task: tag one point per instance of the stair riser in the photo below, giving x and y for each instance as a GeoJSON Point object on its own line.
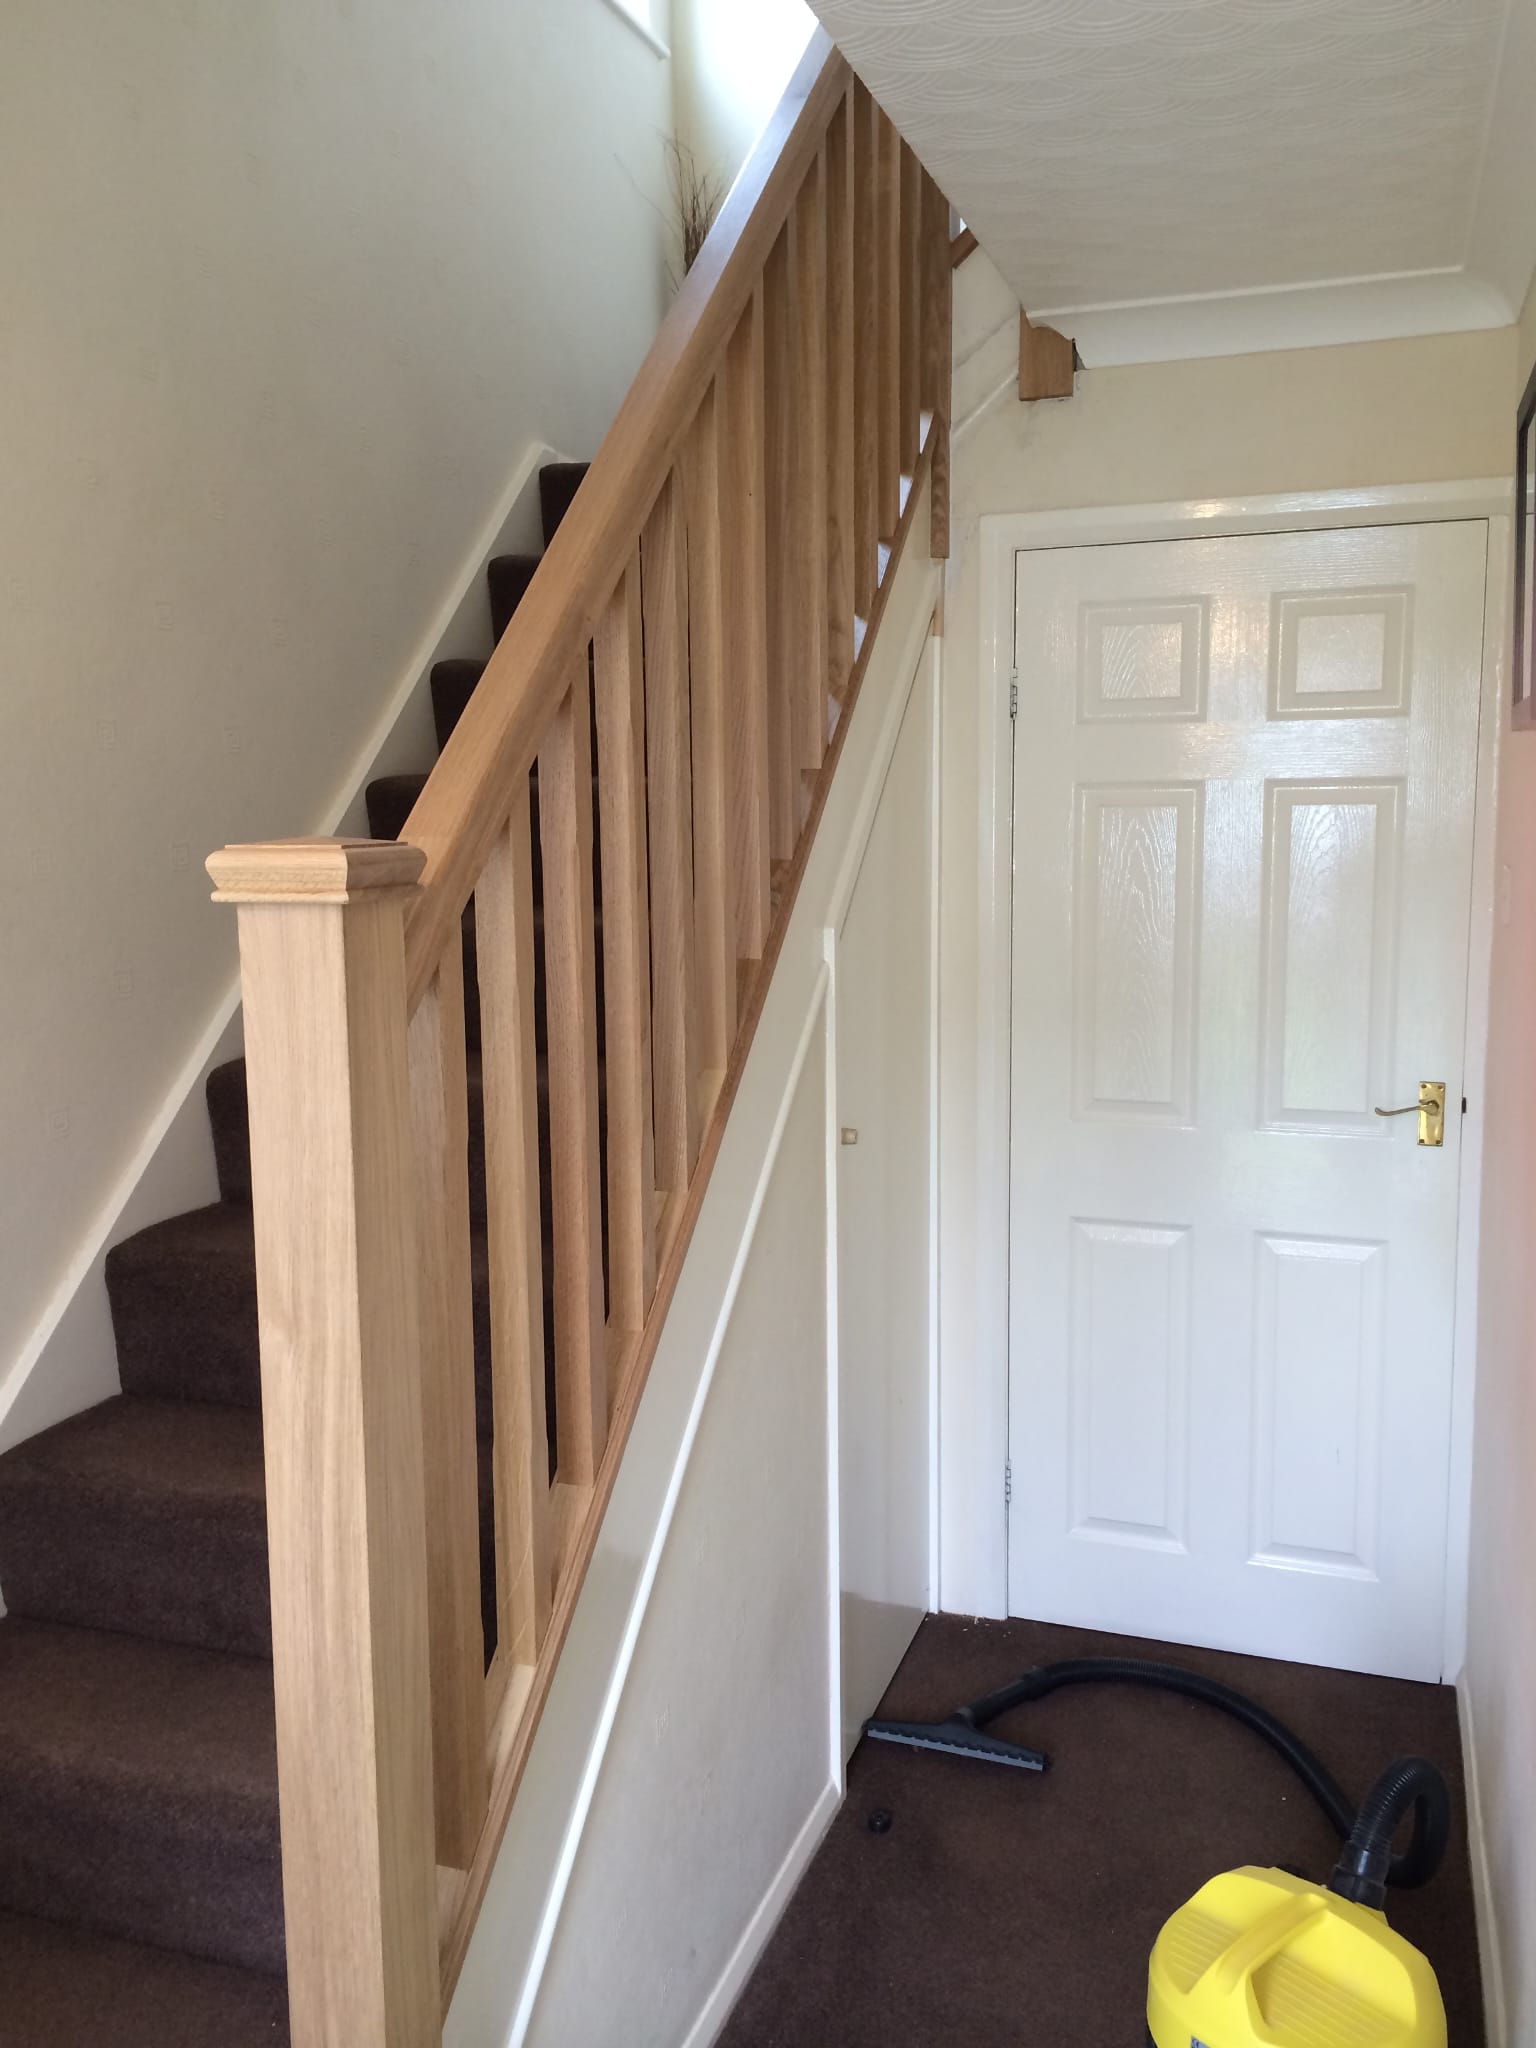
{"type": "Point", "coordinates": [174, 1344]}
{"type": "Point", "coordinates": [228, 1110]}
{"type": "Point", "coordinates": [558, 484]}
{"type": "Point", "coordinates": [97, 1857]}
{"type": "Point", "coordinates": [453, 684]}
{"type": "Point", "coordinates": [175, 1578]}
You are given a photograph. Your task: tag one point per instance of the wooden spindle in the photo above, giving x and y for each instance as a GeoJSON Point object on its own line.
{"type": "Point", "coordinates": [866, 351]}
{"type": "Point", "coordinates": [570, 986]}
{"type": "Point", "coordinates": [440, 1120]}
{"type": "Point", "coordinates": [619, 669]}
{"type": "Point", "coordinates": [322, 953]}
{"type": "Point", "coordinates": [938, 328]}
{"type": "Point", "coordinates": [842, 541]}
{"type": "Point", "coordinates": [674, 1004]}
{"type": "Point", "coordinates": [888, 237]}
{"type": "Point", "coordinates": [912, 272]}
{"type": "Point", "coordinates": [713, 888]}
{"type": "Point", "coordinates": [780, 402]}
{"type": "Point", "coordinates": [811, 500]}
{"type": "Point", "coordinates": [504, 944]}
{"type": "Point", "coordinates": [744, 568]}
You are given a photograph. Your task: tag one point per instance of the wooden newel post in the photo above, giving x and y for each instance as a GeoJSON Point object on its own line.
{"type": "Point", "coordinates": [323, 971]}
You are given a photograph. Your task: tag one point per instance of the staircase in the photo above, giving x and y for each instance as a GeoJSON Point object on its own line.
{"type": "Point", "coordinates": [322, 1553]}
{"type": "Point", "coordinates": [138, 1768]}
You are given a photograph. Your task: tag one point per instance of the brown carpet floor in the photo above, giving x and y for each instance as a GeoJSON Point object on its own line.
{"type": "Point", "coordinates": [1005, 1910]}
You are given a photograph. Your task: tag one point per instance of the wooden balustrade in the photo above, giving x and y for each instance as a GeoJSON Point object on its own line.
{"type": "Point", "coordinates": [691, 648]}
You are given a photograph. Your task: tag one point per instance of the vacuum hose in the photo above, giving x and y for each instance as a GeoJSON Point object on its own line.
{"type": "Point", "coordinates": [1367, 1863]}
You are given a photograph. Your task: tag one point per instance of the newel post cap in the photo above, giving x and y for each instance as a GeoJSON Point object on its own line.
{"type": "Point", "coordinates": [312, 870]}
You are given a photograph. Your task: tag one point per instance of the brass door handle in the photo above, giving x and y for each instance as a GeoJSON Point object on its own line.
{"type": "Point", "coordinates": [1430, 1110]}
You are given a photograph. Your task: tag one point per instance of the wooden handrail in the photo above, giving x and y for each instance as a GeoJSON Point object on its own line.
{"type": "Point", "coordinates": [463, 807]}
{"type": "Point", "coordinates": [675, 687]}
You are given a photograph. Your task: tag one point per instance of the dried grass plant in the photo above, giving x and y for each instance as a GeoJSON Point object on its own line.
{"type": "Point", "coordinates": [696, 197]}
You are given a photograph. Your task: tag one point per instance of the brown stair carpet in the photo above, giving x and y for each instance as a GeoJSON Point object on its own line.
{"type": "Point", "coordinates": [140, 1885]}
{"type": "Point", "coordinates": [1005, 1910]}
{"type": "Point", "coordinates": [60, 1988]}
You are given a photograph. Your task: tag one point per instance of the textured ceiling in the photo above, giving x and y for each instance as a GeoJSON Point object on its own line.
{"type": "Point", "coordinates": [1113, 151]}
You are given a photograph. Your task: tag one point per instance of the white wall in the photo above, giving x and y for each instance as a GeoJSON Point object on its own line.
{"type": "Point", "coordinates": [289, 292]}
{"type": "Point", "coordinates": [886, 1286]}
{"type": "Point", "coordinates": [1498, 1686]}
{"type": "Point", "coordinates": [690, 1753]}
{"type": "Point", "coordinates": [1416, 411]}
{"type": "Point", "coordinates": [731, 60]}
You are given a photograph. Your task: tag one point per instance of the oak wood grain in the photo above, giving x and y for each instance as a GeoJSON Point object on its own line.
{"type": "Point", "coordinates": [810, 642]}
{"type": "Point", "coordinates": [439, 1092]}
{"type": "Point", "coordinates": [504, 945]}
{"type": "Point", "coordinates": [866, 351]}
{"type": "Point", "coordinates": [570, 994]}
{"type": "Point", "coordinates": [938, 369]}
{"type": "Point", "coordinates": [781, 407]}
{"type": "Point", "coordinates": [619, 684]}
{"type": "Point", "coordinates": [463, 806]}
{"type": "Point", "coordinates": [912, 269]}
{"type": "Point", "coordinates": [888, 243]}
{"type": "Point", "coordinates": [324, 982]}
{"type": "Point", "coordinates": [674, 1001]}
{"type": "Point", "coordinates": [842, 532]}
{"type": "Point", "coordinates": [744, 570]}
{"type": "Point", "coordinates": [1047, 362]}
{"type": "Point", "coordinates": [713, 884]}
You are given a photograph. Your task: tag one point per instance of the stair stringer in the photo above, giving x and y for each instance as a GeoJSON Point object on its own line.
{"type": "Point", "coordinates": [536, 1939]}
{"type": "Point", "coordinates": [69, 1361]}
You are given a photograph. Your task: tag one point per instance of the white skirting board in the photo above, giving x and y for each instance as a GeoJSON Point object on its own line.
{"type": "Point", "coordinates": [759, 1929]}
{"type": "Point", "coordinates": [69, 1362]}
{"type": "Point", "coordinates": [1495, 2007]}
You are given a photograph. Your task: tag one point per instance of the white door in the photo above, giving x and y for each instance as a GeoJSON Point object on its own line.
{"type": "Point", "coordinates": [884, 1028]}
{"type": "Point", "coordinates": [1244, 777]}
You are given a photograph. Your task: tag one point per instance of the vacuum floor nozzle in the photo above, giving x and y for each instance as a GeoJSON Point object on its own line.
{"type": "Point", "coordinates": [957, 1737]}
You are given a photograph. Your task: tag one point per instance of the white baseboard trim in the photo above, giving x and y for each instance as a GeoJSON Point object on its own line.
{"type": "Point", "coordinates": [755, 1936]}
{"type": "Point", "coordinates": [69, 1359]}
{"type": "Point", "coordinates": [1495, 2005]}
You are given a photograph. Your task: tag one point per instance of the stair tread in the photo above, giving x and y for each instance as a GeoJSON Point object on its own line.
{"type": "Point", "coordinates": [64, 1986]}
{"type": "Point", "coordinates": [213, 1243]}
{"type": "Point", "coordinates": [180, 1453]}
{"type": "Point", "coordinates": [184, 1308]}
{"type": "Point", "coordinates": [145, 1516]}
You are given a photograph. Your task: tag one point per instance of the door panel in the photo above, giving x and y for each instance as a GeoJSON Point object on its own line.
{"type": "Point", "coordinates": [1244, 783]}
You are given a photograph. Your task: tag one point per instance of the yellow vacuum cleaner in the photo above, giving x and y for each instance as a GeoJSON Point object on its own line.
{"type": "Point", "coordinates": [1261, 1958]}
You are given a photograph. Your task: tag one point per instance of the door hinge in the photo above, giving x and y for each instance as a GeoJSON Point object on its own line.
{"type": "Point", "coordinates": [1013, 696]}
{"type": "Point", "coordinates": [1007, 1486]}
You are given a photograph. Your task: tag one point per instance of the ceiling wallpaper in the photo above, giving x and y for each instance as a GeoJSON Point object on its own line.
{"type": "Point", "coordinates": [1116, 150]}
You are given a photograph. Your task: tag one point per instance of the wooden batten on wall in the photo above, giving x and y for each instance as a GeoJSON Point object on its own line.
{"type": "Point", "coordinates": [1047, 361]}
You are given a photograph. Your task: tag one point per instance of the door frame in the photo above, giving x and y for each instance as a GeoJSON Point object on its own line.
{"type": "Point", "coordinates": [974, 1386]}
